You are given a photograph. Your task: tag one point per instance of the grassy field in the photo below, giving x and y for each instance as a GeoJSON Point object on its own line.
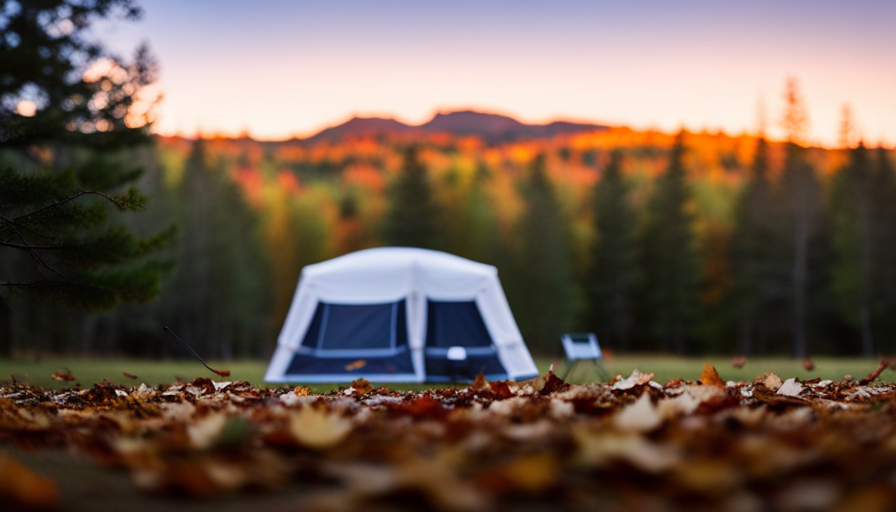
{"type": "Point", "coordinates": [665, 368]}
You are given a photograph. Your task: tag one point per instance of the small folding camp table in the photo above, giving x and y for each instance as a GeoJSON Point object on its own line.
{"type": "Point", "coordinates": [583, 346]}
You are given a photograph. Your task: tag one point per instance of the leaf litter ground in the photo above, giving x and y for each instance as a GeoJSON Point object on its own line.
{"type": "Point", "coordinates": [629, 444]}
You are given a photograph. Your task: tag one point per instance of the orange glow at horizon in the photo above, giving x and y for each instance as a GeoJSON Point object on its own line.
{"type": "Point", "coordinates": [298, 68]}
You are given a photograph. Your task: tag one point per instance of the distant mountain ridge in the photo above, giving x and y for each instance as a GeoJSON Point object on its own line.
{"type": "Point", "coordinates": [491, 127]}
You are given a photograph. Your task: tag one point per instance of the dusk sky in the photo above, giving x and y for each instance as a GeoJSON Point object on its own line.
{"type": "Point", "coordinates": [280, 68]}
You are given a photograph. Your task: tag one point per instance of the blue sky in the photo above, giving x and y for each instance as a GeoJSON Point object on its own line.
{"type": "Point", "coordinates": [284, 68]}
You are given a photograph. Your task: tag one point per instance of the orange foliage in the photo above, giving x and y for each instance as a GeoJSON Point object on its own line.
{"type": "Point", "coordinates": [364, 175]}
{"type": "Point", "coordinates": [288, 183]}
{"type": "Point", "coordinates": [251, 182]}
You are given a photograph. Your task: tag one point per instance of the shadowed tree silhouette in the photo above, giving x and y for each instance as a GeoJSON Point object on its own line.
{"type": "Point", "coordinates": [545, 306]}
{"type": "Point", "coordinates": [613, 274]}
{"type": "Point", "coordinates": [413, 216]}
{"type": "Point", "coordinates": [61, 94]}
{"type": "Point", "coordinates": [752, 254]}
{"type": "Point", "coordinates": [671, 271]}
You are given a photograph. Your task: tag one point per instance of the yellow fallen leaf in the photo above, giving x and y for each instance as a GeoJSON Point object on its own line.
{"type": "Point", "coordinates": [318, 429]}
{"type": "Point", "coordinates": [640, 416]}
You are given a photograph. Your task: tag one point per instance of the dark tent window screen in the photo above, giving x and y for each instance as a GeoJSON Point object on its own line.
{"type": "Point", "coordinates": [357, 327]}
{"type": "Point", "coordinates": [451, 324]}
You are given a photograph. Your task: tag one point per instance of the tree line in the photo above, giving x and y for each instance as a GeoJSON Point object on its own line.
{"type": "Point", "coordinates": [688, 244]}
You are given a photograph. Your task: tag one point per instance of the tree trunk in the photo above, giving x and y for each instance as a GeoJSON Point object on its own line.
{"type": "Point", "coordinates": [6, 340]}
{"type": "Point", "coordinates": [867, 339]}
{"type": "Point", "coordinates": [800, 274]}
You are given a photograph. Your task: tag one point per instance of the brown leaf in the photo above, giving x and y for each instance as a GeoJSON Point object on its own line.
{"type": "Point", "coordinates": [361, 386]}
{"type": "Point", "coordinates": [63, 375]}
{"type": "Point", "coordinates": [771, 381]}
{"type": "Point", "coordinates": [739, 362]}
{"type": "Point", "coordinates": [710, 376]}
{"type": "Point", "coordinates": [808, 364]}
{"type": "Point", "coordinates": [129, 375]}
{"type": "Point", "coordinates": [479, 383]}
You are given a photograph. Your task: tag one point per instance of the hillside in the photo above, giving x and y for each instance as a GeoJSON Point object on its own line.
{"type": "Point", "coordinates": [493, 128]}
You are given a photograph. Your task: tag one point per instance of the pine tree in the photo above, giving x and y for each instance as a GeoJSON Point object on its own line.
{"type": "Point", "coordinates": [216, 295]}
{"type": "Point", "coordinates": [855, 219]}
{"type": "Point", "coordinates": [57, 238]}
{"type": "Point", "coordinates": [883, 190]}
{"type": "Point", "coordinates": [612, 276]}
{"type": "Point", "coordinates": [801, 198]}
{"type": "Point", "coordinates": [669, 259]}
{"type": "Point", "coordinates": [545, 298]}
{"type": "Point", "coordinates": [751, 254]}
{"type": "Point", "coordinates": [413, 216]}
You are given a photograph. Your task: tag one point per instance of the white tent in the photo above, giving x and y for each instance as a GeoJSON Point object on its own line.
{"type": "Point", "coordinates": [397, 314]}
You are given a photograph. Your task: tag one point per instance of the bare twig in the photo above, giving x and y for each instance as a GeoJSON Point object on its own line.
{"type": "Point", "coordinates": [222, 373]}
{"type": "Point", "coordinates": [883, 365]}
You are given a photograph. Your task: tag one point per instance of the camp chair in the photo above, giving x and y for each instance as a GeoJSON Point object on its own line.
{"type": "Point", "coordinates": [582, 347]}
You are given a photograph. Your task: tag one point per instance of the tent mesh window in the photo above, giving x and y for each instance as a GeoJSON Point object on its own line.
{"type": "Point", "coordinates": [459, 324]}
{"type": "Point", "coordinates": [348, 338]}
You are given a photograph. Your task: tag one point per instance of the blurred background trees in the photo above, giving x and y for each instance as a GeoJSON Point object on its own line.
{"type": "Point", "coordinates": [69, 112]}
{"type": "Point", "coordinates": [700, 242]}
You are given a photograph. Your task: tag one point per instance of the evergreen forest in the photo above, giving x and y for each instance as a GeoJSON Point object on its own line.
{"type": "Point", "coordinates": [677, 243]}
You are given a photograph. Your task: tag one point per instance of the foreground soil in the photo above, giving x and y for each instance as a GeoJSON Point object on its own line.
{"type": "Point", "coordinates": [630, 444]}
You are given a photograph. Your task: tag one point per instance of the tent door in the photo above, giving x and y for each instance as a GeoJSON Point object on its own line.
{"type": "Point", "coordinates": [451, 325]}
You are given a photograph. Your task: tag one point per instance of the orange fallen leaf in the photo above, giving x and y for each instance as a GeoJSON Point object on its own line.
{"type": "Point", "coordinates": [710, 376]}
{"type": "Point", "coordinates": [360, 363]}
{"type": "Point", "coordinates": [361, 385]}
{"type": "Point", "coordinates": [479, 383]}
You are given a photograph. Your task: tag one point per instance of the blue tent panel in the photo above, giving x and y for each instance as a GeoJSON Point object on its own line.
{"type": "Point", "coordinates": [450, 324]}
{"type": "Point", "coordinates": [459, 324]}
{"type": "Point", "coordinates": [346, 339]}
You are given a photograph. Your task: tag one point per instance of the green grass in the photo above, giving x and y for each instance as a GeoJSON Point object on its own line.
{"type": "Point", "coordinates": [665, 368]}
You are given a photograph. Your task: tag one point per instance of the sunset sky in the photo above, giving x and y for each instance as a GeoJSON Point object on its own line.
{"type": "Point", "coordinates": [280, 68]}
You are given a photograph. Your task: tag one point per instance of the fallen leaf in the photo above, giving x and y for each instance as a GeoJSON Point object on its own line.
{"type": "Point", "coordinates": [710, 376]}
{"type": "Point", "coordinates": [204, 432]}
{"type": "Point", "coordinates": [361, 386]}
{"type": "Point", "coordinates": [771, 381]}
{"type": "Point", "coordinates": [318, 429]}
{"type": "Point", "coordinates": [360, 363]}
{"type": "Point", "coordinates": [635, 379]}
{"type": "Point", "coordinates": [479, 383]}
{"type": "Point", "coordinates": [63, 375]}
{"type": "Point", "coordinates": [129, 375]}
{"type": "Point", "coordinates": [790, 387]}
{"type": "Point", "coordinates": [640, 416]}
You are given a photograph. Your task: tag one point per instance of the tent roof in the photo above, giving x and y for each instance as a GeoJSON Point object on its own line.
{"type": "Point", "coordinates": [387, 274]}
{"type": "Point", "coordinates": [386, 259]}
